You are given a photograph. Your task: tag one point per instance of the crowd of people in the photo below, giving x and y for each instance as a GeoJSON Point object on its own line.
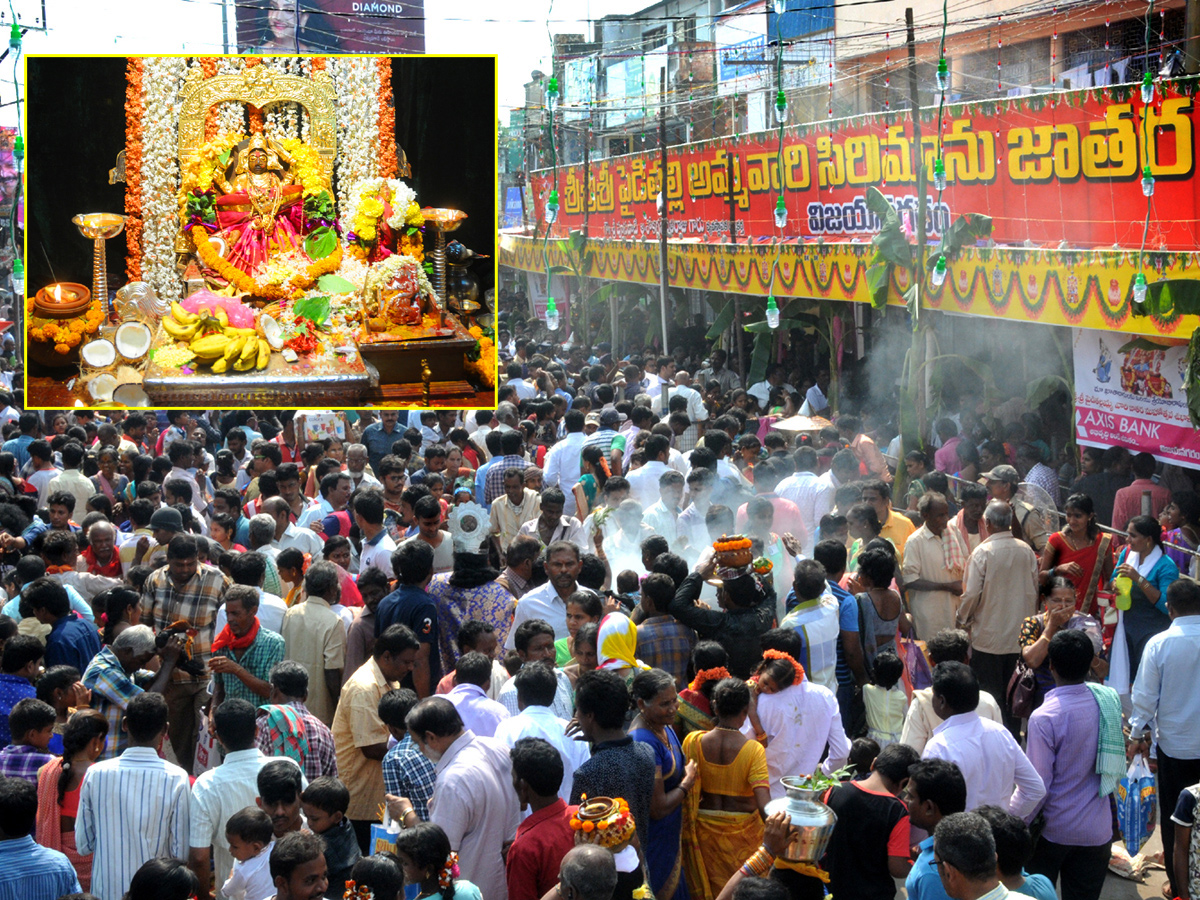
{"type": "Point", "coordinates": [315, 654]}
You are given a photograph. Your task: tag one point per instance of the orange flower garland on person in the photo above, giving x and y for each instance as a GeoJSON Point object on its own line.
{"type": "Point", "coordinates": [704, 676]}
{"type": "Point", "coordinates": [135, 106]}
{"type": "Point", "coordinates": [208, 65]}
{"type": "Point", "coordinates": [779, 654]}
{"type": "Point", "coordinates": [246, 284]}
{"type": "Point", "coordinates": [387, 163]}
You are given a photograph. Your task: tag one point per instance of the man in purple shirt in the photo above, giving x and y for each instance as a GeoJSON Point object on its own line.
{"type": "Point", "coordinates": [1064, 740]}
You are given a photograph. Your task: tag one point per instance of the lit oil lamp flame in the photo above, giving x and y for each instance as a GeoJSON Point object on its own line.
{"type": "Point", "coordinates": [57, 294]}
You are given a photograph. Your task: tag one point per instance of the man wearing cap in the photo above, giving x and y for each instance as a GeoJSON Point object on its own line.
{"type": "Point", "coordinates": [562, 462]}
{"type": "Point", "coordinates": [1027, 522]}
{"type": "Point", "coordinates": [591, 424]}
{"type": "Point", "coordinates": [151, 550]}
{"type": "Point", "coordinates": [609, 439]}
{"type": "Point", "coordinates": [185, 590]}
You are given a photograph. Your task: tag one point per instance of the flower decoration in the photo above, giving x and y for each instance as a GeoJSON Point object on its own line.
{"type": "Point", "coordinates": [449, 871]}
{"type": "Point", "coordinates": [282, 278]}
{"type": "Point", "coordinates": [483, 367]}
{"type": "Point", "coordinates": [134, 109]}
{"type": "Point", "coordinates": [704, 676]}
{"type": "Point", "coordinates": [306, 165]}
{"type": "Point", "coordinates": [779, 654]}
{"type": "Point", "coordinates": [208, 66]}
{"type": "Point", "coordinates": [200, 171]}
{"type": "Point", "coordinates": [386, 164]}
{"type": "Point", "coordinates": [65, 334]}
{"type": "Point", "coordinates": [355, 891]}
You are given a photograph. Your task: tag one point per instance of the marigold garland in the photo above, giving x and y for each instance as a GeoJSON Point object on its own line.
{"type": "Point", "coordinates": [306, 165]}
{"type": "Point", "coordinates": [247, 284]}
{"type": "Point", "coordinates": [208, 66]}
{"type": "Point", "coordinates": [779, 654]}
{"type": "Point", "coordinates": [485, 366]}
{"type": "Point", "coordinates": [318, 63]}
{"type": "Point", "coordinates": [65, 334]}
{"type": "Point", "coordinates": [387, 163]}
{"type": "Point", "coordinates": [704, 676]}
{"type": "Point", "coordinates": [135, 105]}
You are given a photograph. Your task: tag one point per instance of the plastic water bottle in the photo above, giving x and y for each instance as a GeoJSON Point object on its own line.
{"type": "Point", "coordinates": [1123, 585]}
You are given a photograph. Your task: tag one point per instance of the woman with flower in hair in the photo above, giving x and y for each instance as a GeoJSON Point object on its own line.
{"type": "Point", "coordinates": [427, 861]}
{"type": "Point", "coordinates": [706, 668]}
{"type": "Point", "coordinates": [374, 877]}
{"type": "Point", "coordinates": [594, 473]}
{"type": "Point", "coordinates": [58, 785]}
{"type": "Point", "coordinates": [723, 817]}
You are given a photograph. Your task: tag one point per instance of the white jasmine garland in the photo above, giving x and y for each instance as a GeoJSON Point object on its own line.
{"type": "Point", "coordinates": [357, 83]}
{"type": "Point", "coordinates": [162, 78]}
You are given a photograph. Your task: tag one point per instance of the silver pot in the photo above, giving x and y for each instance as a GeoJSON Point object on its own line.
{"type": "Point", "coordinates": [812, 821]}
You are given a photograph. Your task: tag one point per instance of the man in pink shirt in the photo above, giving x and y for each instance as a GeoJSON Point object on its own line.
{"type": "Point", "coordinates": [864, 447]}
{"type": "Point", "coordinates": [1128, 502]}
{"type": "Point", "coordinates": [946, 458]}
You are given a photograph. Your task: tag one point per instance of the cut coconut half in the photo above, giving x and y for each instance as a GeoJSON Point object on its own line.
{"type": "Point", "coordinates": [271, 331]}
{"type": "Point", "coordinates": [133, 340]}
{"type": "Point", "coordinates": [131, 395]}
{"type": "Point", "coordinates": [98, 354]}
{"type": "Point", "coordinates": [101, 387]}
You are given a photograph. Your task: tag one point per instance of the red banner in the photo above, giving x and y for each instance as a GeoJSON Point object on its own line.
{"type": "Point", "coordinates": [1067, 169]}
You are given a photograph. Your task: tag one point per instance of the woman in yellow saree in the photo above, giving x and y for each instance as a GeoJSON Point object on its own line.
{"type": "Point", "coordinates": [723, 819]}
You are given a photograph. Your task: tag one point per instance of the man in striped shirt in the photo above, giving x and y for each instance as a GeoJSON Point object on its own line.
{"type": "Point", "coordinates": [133, 808]}
{"type": "Point", "coordinates": [28, 870]}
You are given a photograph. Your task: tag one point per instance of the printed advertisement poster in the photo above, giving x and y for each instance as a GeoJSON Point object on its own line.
{"type": "Point", "coordinates": [1129, 393]}
{"type": "Point", "coordinates": [331, 26]}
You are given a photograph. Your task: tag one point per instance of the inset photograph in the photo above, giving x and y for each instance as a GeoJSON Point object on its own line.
{"type": "Point", "coordinates": [277, 232]}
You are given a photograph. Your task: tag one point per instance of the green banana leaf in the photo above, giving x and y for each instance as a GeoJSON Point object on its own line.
{"type": "Point", "coordinates": [760, 357]}
{"type": "Point", "coordinates": [723, 320]}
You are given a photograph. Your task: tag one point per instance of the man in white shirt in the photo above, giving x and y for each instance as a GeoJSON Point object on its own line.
{"type": "Point", "coordinates": [182, 460]}
{"type": "Point", "coordinates": [71, 479]}
{"type": "Point", "coordinates": [996, 770]}
{"type": "Point", "coordinates": [536, 687]}
{"type": "Point", "coordinates": [1165, 697]}
{"type": "Point", "coordinates": [818, 403]}
{"type": "Point", "coordinates": [800, 721]}
{"type": "Point", "coordinates": [549, 602]}
{"type": "Point", "coordinates": [762, 391]}
{"type": "Point", "coordinates": [225, 790]}
{"type": "Point", "coordinates": [643, 482]}
{"type": "Point", "coordinates": [562, 462]}
{"type": "Point", "coordinates": [288, 535]}
{"type": "Point", "coordinates": [812, 495]}
{"type": "Point", "coordinates": [377, 544]}
{"type": "Point", "coordinates": [473, 801]}
{"type": "Point", "coordinates": [551, 525]}
{"type": "Point", "coordinates": [663, 515]}
{"type": "Point", "coordinates": [951, 645]}
{"type": "Point", "coordinates": [525, 390]}
{"type": "Point", "coordinates": [135, 807]}
{"type": "Point", "coordinates": [357, 467]}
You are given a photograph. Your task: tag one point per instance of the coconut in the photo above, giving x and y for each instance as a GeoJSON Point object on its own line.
{"type": "Point", "coordinates": [131, 395]}
{"type": "Point", "coordinates": [101, 387]}
{"type": "Point", "coordinates": [133, 340]}
{"type": "Point", "coordinates": [271, 331]}
{"type": "Point", "coordinates": [98, 354]}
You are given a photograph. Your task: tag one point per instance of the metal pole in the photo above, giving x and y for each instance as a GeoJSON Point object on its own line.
{"type": "Point", "coordinates": [919, 157]}
{"type": "Point", "coordinates": [662, 235]}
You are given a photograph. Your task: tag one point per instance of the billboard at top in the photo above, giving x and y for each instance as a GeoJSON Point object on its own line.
{"type": "Point", "coordinates": [331, 26]}
{"type": "Point", "coordinates": [800, 18]}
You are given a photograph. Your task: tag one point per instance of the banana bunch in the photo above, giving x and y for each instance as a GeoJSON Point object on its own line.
{"type": "Point", "coordinates": [215, 342]}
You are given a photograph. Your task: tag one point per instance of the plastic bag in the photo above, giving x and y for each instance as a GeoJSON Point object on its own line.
{"type": "Point", "coordinates": [208, 754]}
{"type": "Point", "coordinates": [1118, 662]}
{"type": "Point", "coordinates": [1137, 805]}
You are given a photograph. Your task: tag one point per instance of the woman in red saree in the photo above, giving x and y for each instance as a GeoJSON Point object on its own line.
{"type": "Point", "coordinates": [1073, 553]}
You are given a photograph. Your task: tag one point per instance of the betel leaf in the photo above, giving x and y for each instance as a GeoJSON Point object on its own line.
{"type": "Point", "coordinates": [473, 353]}
{"type": "Point", "coordinates": [335, 284]}
{"type": "Point", "coordinates": [320, 242]}
{"type": "Point", "coordinates": [315, 308]}
{"type": "Point", "coordinates": [224, 157]}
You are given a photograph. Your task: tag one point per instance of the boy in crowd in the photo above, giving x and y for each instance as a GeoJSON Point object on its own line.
{"type": "Point", "coordinates": [32, 726]}
{"type": "Point", "coordinates": [325, 802]}
{"type": "Point", "coordinates": [251, 839]}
